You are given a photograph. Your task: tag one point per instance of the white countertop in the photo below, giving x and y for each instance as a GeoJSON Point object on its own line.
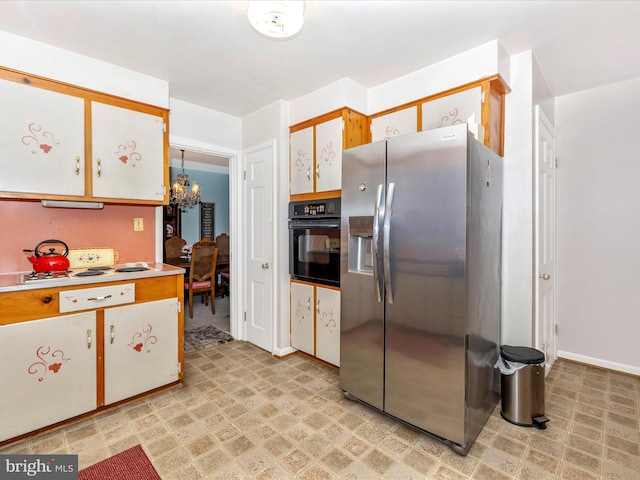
{"type": "Point", "coordinates": [12, 282]}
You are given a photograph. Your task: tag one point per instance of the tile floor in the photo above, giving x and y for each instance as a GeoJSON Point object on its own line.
{"type": "Point", "coordinates": [242, 413]}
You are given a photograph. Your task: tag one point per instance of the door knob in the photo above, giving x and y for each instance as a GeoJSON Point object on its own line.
{"type": "Point", "coordinates": [265, 266]}
{"type": "Point", "coordinates": [545, 276]}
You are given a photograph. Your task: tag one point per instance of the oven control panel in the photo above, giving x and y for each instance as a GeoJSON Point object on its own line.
{"type": "Point", "coordinates": [317, 208]}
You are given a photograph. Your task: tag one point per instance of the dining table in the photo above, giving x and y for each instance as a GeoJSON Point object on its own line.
{"type": "Point", "coordinates": [185, 262]}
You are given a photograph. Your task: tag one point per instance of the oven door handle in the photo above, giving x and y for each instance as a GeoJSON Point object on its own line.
{"type": "Point", "coordinates": [324, 223]}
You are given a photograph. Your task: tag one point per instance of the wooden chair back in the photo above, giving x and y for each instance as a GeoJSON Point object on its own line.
{"type": "Point", "coordinates": [204, 255]}
{"type": "Point", "coordinates": [173, 247]}
{"type": "Point", "coordinates": [202, 274]}
{"type": "Point", "coordinates": [222, 241]}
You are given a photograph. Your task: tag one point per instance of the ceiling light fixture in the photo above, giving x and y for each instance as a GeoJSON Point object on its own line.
{"type": "Point", "coordinates": [180, 195]}
{"type": "Point", "coordinates": [276, 19]}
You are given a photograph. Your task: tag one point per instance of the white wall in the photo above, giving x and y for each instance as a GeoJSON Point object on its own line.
{"type": "Point", "coordinates": [468, 66]}
{"type": "Point", "coordinates": [265, 125]}
{"type": "Point", "coordinates": [38, 58]}
{"type": "Point", "coordinates": [517, 218]}
{"type": "Point", "coordinates": [528, 88]}
{"type": "Point", "coordinates": [598, 204]}
{"type": "Point", "coordinates": [201, 124]}
{"type": "Point", "coordinates": [343, 93]}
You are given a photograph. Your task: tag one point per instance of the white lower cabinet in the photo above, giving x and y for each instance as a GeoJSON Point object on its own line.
{"type": "Point", "coordinates": [315, 321]}
{"type": "Point", "coordinates": [302, 317]}
{"type": "Point", "coordinates": [328, 325]}
{"type": "Point", "coordinates": [141, 348]}
{"type": "Point", "coordinates": [48, 372]}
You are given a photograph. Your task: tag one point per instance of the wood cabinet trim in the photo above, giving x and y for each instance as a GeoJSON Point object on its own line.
{"type": "Point", "coordinates": [325, 117]}
{"type": "Point", "coordinates": [496, 81]}
{"type": "Point", "coordinates": [77, 91]}
{"type": "Point", "coordinates": [27, 305]}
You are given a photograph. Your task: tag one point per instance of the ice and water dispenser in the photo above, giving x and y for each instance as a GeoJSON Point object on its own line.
{"type": "Point", "coordinates": [361, 244]}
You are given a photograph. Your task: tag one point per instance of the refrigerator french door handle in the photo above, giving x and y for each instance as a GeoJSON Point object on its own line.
{"type": "Point", "coordinates": [386, 233]}
{"type": "Point", "coordinates": [376, 235]}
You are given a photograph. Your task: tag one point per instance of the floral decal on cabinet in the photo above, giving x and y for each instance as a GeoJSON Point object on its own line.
{"type": "Point", "coordinates": [451, 118]}
{"type": "Point", "coordinates": [127, 153]}
{"type": "Point", "coordinates": [300, 310]}
{"type": "Point", "coordinates": [302, 159]}
{"type": "Point", "coordinates": [48, 361]}
{"type": "Point", "coordinates": [71, 298]}
{"type": "Point", "coordinates": [37, 139]}
{"type": "Point", "coordinates": [328, 320]}
{"type": "Point", "coordinates": [327, 154]}
{"type": "Point", "coordinates": [391, 132]}
{"type": "Point", "coordinates": [138, 342]}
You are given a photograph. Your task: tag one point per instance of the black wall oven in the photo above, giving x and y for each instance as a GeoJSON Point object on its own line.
{"type": "Point", "coordinates": [314, 241]}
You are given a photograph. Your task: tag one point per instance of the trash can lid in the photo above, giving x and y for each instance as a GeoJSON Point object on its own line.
{"type": "Point", "coordinates": [526, 355]}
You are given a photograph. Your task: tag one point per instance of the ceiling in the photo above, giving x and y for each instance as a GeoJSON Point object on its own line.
{"type": "Point", "coordinates": [210, 55]}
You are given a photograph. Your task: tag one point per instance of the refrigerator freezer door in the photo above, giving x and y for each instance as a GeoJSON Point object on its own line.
{"type": "Point", "coordinates": [362, 315]}
{"type": "Point", "coordinates": [425, 337]}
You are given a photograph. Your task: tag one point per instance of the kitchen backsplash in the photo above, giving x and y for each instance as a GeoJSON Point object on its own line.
{"type": "Point", "coordinates": [27, 223]}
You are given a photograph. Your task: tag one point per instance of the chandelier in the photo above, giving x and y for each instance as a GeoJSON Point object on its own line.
{"type": "Point", "coordinates": [180, 194]}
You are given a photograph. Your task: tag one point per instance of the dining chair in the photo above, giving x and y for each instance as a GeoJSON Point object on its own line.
{"type": "Point", "coordinates": [173, 247]}
{"type": "Point", "coordinates": [222, 241]}
{"type": "Point", "coordinates": [202, 274]}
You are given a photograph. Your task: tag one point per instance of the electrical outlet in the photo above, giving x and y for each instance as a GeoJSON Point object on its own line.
{"type": "Point", "coordinates": [138, 225]}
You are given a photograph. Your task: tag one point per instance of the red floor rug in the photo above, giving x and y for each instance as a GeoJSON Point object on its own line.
{"type": "Point", "coordinates": [132, 464]}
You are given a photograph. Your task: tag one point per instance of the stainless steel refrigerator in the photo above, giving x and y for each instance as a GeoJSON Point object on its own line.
{"type": "Point", "coordinates": [420, 280]}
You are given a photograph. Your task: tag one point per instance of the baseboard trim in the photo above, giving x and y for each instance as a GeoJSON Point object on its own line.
{"type": "Point", "coordinates": [283, 352]}
{"type": "Point", "coordinates": [597, 362]}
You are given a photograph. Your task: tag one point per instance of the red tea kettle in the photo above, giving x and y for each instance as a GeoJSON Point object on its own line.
{"type": "Point", "coordinates": [50, 261]}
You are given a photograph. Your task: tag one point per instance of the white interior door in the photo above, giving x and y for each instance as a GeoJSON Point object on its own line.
{"type": "Point", "coordinates": [259, 245]}
{"type": "Point", "coordinates": [545, 238]}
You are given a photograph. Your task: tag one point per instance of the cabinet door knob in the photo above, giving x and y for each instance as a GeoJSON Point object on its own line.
{"type": "Point", "coordinates": [89, 339]}
{"type": "Point", "coordinates": [545, 276]}
{"type": "Point", "coordinates": [47, 300]}
{"type": "Point", "coordinates": [113, 333]}
{"type": "Point", "coordinates": [99, 168]}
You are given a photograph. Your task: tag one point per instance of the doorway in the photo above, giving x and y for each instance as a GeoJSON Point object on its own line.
{"type": "Point", "coordinates": [202, 162]}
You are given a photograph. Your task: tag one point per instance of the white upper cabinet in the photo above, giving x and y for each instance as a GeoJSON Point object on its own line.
{"type": "Point", "coordinates": [395, 123]}
{"type": "Point", "coordinates": [64, 142]}
{"type": "Point", "coordinates": [42, 141]}
{"type": "Point", "coordinates": [315, 155]}
{"type": "Point", "coordinates": [329, 155]}
{"type": "Point", "coordinates": [127, 152]}
{"type": "Point", "coordinates": [461, 107]}
{"type": "Point", "coordinates": [325, 166]}
{"type": "Point", "coordinates": [301, 161]}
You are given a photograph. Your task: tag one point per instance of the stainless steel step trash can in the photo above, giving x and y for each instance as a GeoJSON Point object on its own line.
{"type": "Point", "coordinates": [522, 383]}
